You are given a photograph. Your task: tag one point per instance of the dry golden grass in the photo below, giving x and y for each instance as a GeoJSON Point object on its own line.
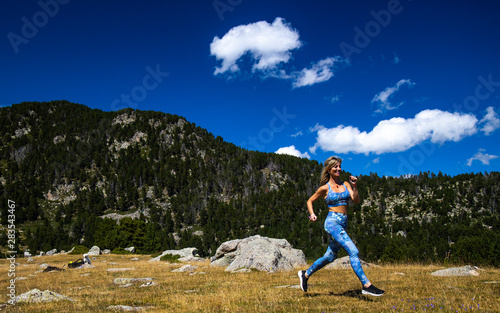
{"type": "Point", "coordinates": [410, 288]}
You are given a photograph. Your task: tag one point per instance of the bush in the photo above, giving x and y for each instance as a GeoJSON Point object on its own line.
{"type": "Point", "coordinates": [79, 250]}
{"type": "Point", "coordinates": [172, 258]}
{"type": "Point", "coordinates": [120, 251]}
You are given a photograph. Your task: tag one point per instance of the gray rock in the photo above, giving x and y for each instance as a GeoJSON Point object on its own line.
{"type": "Point", "coordinates": [123, 269]}
{"type": "Point", "coordinates": [457, 271]}
{"type": "Point", "coordinates": [261, 253]}
{"type": "Point", "coordinates": [148, 284]}
{"type": "Point", "coordinates": [186, 268]}
{"type": "Point", "coordinates": [345, 263]}
{"type": "Point", "coordinates": [123, 281]}
{"type": "Point", "coordinates": [106, 251]}
{"type": "Point", "coordinates": [130, 249]}
{"type": "Point", "coordinates": [125, 308]}
{"type": "Point", "coordinates": [186, 255]}
{"type": "Point", "coordinates": [95, 250]}
{"type": "Point", "coordinates": [51, 252]}
{"type": "Point", "coordinates": [37, 296]}
{"type": "Point", "coordinates": [43, 266]}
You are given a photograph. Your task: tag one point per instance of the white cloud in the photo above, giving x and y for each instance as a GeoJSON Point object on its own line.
{"type": "Point", "coordinates": [334, 99]}
{"type": "Point", "coordinates": [382, 98]}
{"type": "Point", "coordinates": [480, 156]}
{"type": "Point", "coordinates": [297, 134]}
{"type": "Point", "coordinates": [268, 45]}
{"type": "Point", "coordinates": [396, 134]}
{"type": "Point", "coordinates": [291, 150]}
{"type": "Point", "coordinates": [319, 72]}
{"type": "Point", "coordinates": [490, 121]}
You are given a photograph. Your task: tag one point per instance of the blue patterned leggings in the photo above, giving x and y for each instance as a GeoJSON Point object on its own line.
{"type": "Point", "coordinates": [335, 225]}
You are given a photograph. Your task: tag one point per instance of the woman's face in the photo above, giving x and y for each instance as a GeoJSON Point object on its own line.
{"type": "Point", "coordinates": [335, 170]}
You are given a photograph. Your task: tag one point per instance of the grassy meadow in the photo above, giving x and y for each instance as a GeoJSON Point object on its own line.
{"type": "Point", "coordinates": [409, 288]}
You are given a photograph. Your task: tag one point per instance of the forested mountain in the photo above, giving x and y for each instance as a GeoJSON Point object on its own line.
{"type": "Point", "coordinates": [156, 181]}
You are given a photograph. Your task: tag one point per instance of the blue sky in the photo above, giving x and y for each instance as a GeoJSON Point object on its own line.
{"type": "Point", "coordinates": [392, 87]}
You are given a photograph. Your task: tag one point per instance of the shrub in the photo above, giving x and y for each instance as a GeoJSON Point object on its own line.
{"type": "Point", "coordinates": [120, 251]}
{"type": "Point", "coordinates": [172, 258]}
{"type": "Point", "coordinates": [79, 250]}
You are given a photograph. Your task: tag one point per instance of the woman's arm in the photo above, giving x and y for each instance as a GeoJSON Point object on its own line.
{"type": "Point", "coordinates": [353, 189]}
{"type": "Point", "coordinates": [320, 193]}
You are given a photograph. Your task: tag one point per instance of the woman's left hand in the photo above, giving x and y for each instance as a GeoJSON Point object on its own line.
{"type": "Point", "coordinates": [353, 180]}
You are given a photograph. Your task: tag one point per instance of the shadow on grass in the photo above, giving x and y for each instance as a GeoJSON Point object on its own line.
{"type": "Point", "coordinates": [349, 293]}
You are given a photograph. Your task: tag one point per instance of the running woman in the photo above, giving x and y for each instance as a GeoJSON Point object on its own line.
{"type": "Point", "coordinates": [336, 195]}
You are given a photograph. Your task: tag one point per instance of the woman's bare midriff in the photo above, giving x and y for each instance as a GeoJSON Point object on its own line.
{"type": "Point", "coordinates": [339, 209]}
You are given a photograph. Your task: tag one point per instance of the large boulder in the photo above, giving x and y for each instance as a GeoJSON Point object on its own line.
{"type": "Point", "coordinates": [95, 250]}
{"type": "Point", "coordinates": [186, 255]}
{"type": "Point", "coordinates": [260, 253]}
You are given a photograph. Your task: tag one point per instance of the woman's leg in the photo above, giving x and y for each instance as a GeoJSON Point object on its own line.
{"type": "Point", "coordinates": [342, 238]}
{"type": "Point", "coordinates": [328, 257]}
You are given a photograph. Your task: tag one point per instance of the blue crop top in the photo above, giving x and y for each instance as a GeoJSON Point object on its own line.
{"type": "Point", "coordinates": [334, 199]}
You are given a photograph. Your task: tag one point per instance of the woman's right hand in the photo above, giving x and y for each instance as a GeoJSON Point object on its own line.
{"type": "Point", "coordinates": [313, 217]}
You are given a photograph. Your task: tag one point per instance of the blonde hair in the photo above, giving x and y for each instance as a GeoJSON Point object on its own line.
{"type": "Point", "coordinates": [329, 163]}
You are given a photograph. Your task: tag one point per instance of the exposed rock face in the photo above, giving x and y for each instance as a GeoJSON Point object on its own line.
{"type": "Point", "coordinates": [261, 253]}
{"type": "Point", "coordinates": [457, 271]}
{"type": "Point", "coordinates": [186, 255]}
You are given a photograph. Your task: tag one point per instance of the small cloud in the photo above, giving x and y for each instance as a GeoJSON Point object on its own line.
{"type": "Point", "coordinates": [483, 158]}
{"type": "Point", "coordinates": [374, 161]}
{"type": "Point", "coordinates": [291, 150]}
{"type": "Point", "coordinates": [320, 72]}
{"type": "Point", "coordinates": [382, 98]}
{"type": "Point", "coordinates": [334, 99]}
{"type": "Point", "coordinates": [297, 134]}
{"type": "Point", "coordinates": [490, 121]}
{"type": "Point", "coordinates": [395, 60]}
